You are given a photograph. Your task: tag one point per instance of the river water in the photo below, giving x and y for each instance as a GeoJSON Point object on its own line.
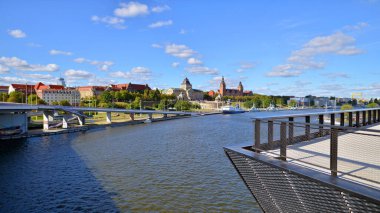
{"type": "Point", "coordinates": [177, 165]}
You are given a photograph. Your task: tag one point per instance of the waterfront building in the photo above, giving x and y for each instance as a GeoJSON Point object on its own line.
{"type": "Point", "coordinates": [247, 93]}
{"type": "Point", "coordinates": [223, 91]}
{"type": "Point", "coordinates": [57, 93]}
{"type": "Point", "coordinates": [24, 88]}
{"type": "Point", "coordinates": [4, 89]}
{"type": "Point", "coordinates": [131, 87]}
{"type": "Point", "coordinates": [300, 101]}
{"type": "Point", "coordinates": [186, 91]}
{"type": "Point", "coordinates": [90, 91]}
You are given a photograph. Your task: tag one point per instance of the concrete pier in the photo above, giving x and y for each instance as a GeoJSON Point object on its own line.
{"type": "Point", "coordinates": [47, 116]}
{"type": "Point", "coordinates": [108, 117]}
{"type": "Point", "coordinates": [65, 120]}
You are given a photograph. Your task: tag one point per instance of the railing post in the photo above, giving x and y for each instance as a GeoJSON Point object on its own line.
{"type": "Point", "coordinates": [378, 115]}
{"type": "Point", "coordinates": [334, 152]}
{"type": "Point", "coordinates": [307, 127]}
{"type": "Point", "coordinates": [364, 118]}
{"type": "Point", "coordinates": [350, 119]}
{"type": "Point", "coordinates": [291, 130]}
{"type": "Point", "coordinates": [369, 116]}
{"type": "Point", "coordinates": [270, 134]}
{"type": "Point", "coordinates": [257, 135]}
{"type": "Point", "coordinates": [332, 119]}
{"type": "Point", "coordinates": [342, 119]}
{"type": "Point", "coordinates": [357, 119]}
{"type": "Point", "coordinates": [283, 142]}
{"type": "Point", "coordinates": [321, 121]}
{"type": "Point", "coordinates": [374, 116]}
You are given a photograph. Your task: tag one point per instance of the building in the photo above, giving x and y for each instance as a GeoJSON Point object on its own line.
{"type": "Point", "coordinates": [4, 89]}
{"type": "Point", "coordinates": [90, 91]}
{"type": "Point", "coordinates": [186, 91]}
{"type": "Point", "coordinates": [223, 91]}
{"type": "Point", "coordinates": [57, 93]}
{"type": "Point", "coordinates": [211, 93]}
{"type": "Point", "coordinates": [247, 93]}
{"type": "Point", "coordinates": [300, 101]}
{"type": "Point", "coordinates": [24, 88]}
{"type": "Point", "coordinates": [132, 87]}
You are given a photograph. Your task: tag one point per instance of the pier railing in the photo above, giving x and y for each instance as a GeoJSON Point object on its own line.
{"type": "Point", "coordinates": [313, 162]}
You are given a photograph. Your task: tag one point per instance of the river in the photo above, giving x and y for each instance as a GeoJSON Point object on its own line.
{"type": "Point", "coordinates": [177, 165]}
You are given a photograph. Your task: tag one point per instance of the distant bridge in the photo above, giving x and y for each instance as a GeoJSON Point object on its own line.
{"type": "Point", "coordinates": [12, 114]}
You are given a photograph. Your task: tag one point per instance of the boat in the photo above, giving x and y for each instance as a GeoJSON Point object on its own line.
{"type": "Point", "coordinates": [14, 130]}
{"type": "Point", "coordinates": [232, 110]}
{"type": "Point", "coordinates": [147, 121]}
{"type": "Point", "coordinates": [271, 108]}
{"type": "Point", "coordinates": [254, 109]}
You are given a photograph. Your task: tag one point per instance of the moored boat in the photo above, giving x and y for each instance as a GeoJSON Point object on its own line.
{"type": "Point", "coordinates": [231, 110]}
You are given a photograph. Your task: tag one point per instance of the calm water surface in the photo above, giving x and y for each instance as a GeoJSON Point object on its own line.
{"type": "Point", "coordinates": [176, 165]}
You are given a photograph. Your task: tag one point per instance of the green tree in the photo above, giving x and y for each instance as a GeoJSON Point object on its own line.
{"type": "Point", "coordinates": [292, 103]}
{"type": "Point", "coordinates": [34, 99]}
{"type": "Point", "coordinates": [4, 96]}
{"type": "Point", "coordinates": [16, 97]}
{"type": "Point", "coordinates": [372, 105]}
{"type": "Point", "coordinates": [64, 103]}
{"type": "Point", "coordinates": [181, 105]}
{"type": "Point", "coordinates": [106, 97]}
{"type": "Point", "coordinates": [136, 103]}
{"type": "Point", "coordinates": [346, 107]}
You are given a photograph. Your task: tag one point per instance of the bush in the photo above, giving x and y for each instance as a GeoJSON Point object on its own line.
{"type": "Point", "coordinates": [372, 105]}
{"type": "Point", "coordinates": [346, 107]}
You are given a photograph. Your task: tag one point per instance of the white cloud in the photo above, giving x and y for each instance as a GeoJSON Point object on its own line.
{"type": "Point", "coordinates": [131, 9]}
{"type": "Point", "coordinates": [3, 69]}
{"type": "Point", "coordinates": [31, 44]}
{"type": "Point", "coordinates": [101, 65]}
{"type": "Point", "coordinates": [59, 52]}
{"type": "Point", "coordinates": [156, 46]}
{"type": "Point", "coordinates": [304, 58]}
{"type": "Point", "coordinates": [17, 33]}
{"type": "Point", "coordinates": [135, 74]}
{"type": "Point", "coordinates": [12, 80]}
{"type": "Point", "coordinates": [180, 51]}
{"type": "Point", "coordinates": [45, 77]}
{"type": "Point", "coordinates": [114, 22]}
{"type": "Point", "coordinates": [161, 24]}
{"type": "Point", "coordinates": [285, 70]}
{"type": "Point", "coordinates": [78, 74]}
{"type": "Point", "coordinates": [19, 64]}
{"type": "Point", "coordinates": [182, 31]}
{"type": "Point", "coordinates": [245, 66]}
{"type": "Point", "coordinates": [159, 9]}
{"type": "Point", "coordinates": [202, 70]}
{"type": "Point", "coordinates": [335, 75]}
{"type": "Point", "coordinates": [358, 26]}
{"type": "Point", "coordinates": [175, 64]}
{"type": "Point", "coordinates": [194, 61]}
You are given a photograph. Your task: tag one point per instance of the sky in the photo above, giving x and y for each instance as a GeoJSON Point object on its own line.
{"type": "Point", "coordinates": [277, 47]}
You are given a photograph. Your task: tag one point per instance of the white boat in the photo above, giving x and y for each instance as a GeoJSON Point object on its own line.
{"type": "Point", "coordinates": [271, 108]}
{"type": "Point", "coordinates": [231, 110]}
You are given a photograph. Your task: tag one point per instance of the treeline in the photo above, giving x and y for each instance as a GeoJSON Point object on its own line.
{"type": "Point", "coordinates": [19, 97]}
{"type": "Point", "coordinates": [149, 99]}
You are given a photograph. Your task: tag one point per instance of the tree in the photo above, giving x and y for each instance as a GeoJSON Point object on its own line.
{"type": "Point", "coordinates": [182, 105]}
{"type": "Point", "coordinates": [136, 103]}
{"type": "Point", "coordinates": [346, 107]}
{"type": "Point", "coordinates": [34, 99]}
{"type": "Point", "coordinates": [64, 103]}
{"type": "Point", "coordinates": [16, 97]}
{"type": "Point", "coordinates": [372, 105]}
{"type": "Point", "coordinates": [106, 97]}
{"type": "Point", "coordinates": [292, 103]}
{"type": "Point", "coordinates": [4, 96]}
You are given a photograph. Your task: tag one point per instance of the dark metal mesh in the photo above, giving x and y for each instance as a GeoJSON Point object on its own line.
{"type": "Point", "coordinates": [280, 190]}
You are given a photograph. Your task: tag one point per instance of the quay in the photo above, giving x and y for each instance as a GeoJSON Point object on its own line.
{"type": "Point", "coordinates": [301, 163]}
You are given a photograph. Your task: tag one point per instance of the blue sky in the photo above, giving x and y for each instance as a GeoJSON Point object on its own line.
{"type": "Point", "coordinates": [274, 47]}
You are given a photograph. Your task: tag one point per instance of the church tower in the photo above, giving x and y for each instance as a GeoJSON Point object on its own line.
{"type": "Point", "coordinates": [222, 87]}
{"type": "Point", "coordinates": [186, 85]}
{"type": "Point", "coordinates": [240, 88]}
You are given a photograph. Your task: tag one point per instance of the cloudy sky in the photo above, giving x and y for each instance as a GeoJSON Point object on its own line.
{"type": "Point", "coordinates": [279, 47]}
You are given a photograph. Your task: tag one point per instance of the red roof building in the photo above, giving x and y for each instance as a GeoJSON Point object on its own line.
{"type": "Point", "coordinates": [247, 93]}
{"type": "Point", "coordinates": [24, 88]}
{"type": "Point", "coordinates": [133, 87]}
{"type": "Point", "coordinates": [4, 89]}
{"type": "Point", "coordinates": [211, 93]}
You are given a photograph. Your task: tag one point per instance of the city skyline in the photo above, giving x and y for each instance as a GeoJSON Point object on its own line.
{"type": "Point", "coordinates": [298, 48]}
